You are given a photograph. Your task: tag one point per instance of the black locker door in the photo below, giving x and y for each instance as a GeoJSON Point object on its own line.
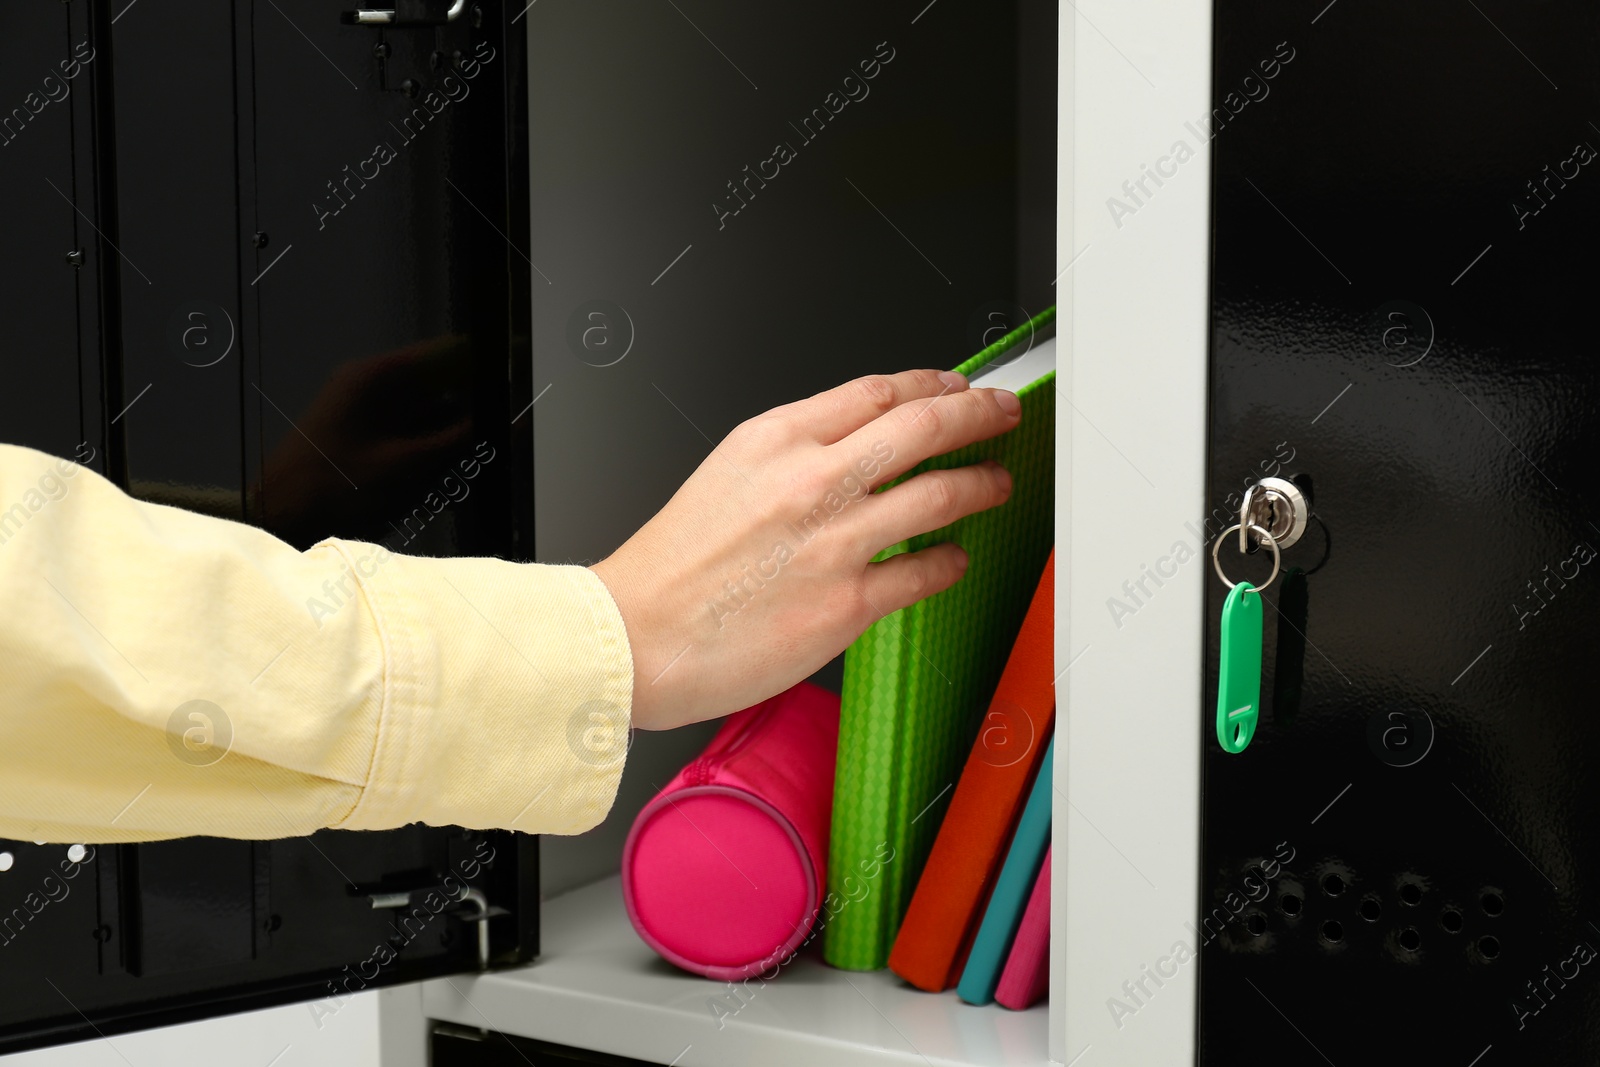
{"type": "Point", "coordinates": [256, 266]}
{"type": "Point", "coordinates": [1403, 866]}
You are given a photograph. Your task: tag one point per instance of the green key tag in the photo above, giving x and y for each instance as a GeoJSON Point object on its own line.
{"type": "Point", "coordinates": [1239, 680]}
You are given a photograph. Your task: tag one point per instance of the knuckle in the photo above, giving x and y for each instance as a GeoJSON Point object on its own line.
{"type": "Point", "coordinates": [919, 578]}
{"type": "Point", "coordinates": [878, 392]}
{"type": "Point", "coordinates": [929, 418]}
{"type": "Point", "coordinates": [763, 432]}
{"type": "Point", "coordinates": [1000, 483]}
{"type": "Point", "coordinates": [851, 601]}
{"type": "Point", "coordinates": [980, 405]}
{"type": "Point", "coordinates": [940, 496]}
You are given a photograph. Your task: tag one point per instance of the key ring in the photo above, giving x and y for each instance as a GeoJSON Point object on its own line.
{"type": "Point", "coordinates": [1260, 532]}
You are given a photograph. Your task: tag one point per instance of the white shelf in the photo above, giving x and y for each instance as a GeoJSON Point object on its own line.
{"type": "Point", "coordinates": [599, 987]}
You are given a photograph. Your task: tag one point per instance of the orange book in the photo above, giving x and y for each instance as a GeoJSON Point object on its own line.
{"type": "Point", "coordinates": [937, 931]}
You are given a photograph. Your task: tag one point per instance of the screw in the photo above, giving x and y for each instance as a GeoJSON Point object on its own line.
{"type": "Point", "coordinates": [382, 50]}
{"type": "Point", "coordinates": [456, 57]}
{"type": "Point", "coordinates": [260, 239]}
{"type": "Point", "coordinates": [436, 60]}
{"type": "Point", "coordinates": [477, 16]}
{"type": "Point", "coordinates": [75, 257]}
{"type": "Point", "coordinates": [409, 87]}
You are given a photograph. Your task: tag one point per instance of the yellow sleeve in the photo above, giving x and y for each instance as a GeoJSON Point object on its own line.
{"type": "Point", "coordinates": [167, 674]}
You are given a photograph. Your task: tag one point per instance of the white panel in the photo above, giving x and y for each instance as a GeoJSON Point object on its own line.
{"type": "Point", "coordinates": [1135, 83]}
{"type": "Point", "coordinates": [599, 987]}
{"type": "Point", "coordinates": [293, 1035]}
{"type": "Point", "coordinates": [403, 1027]}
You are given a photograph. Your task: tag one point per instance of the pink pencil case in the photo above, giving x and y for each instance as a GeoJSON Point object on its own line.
{"type": "Point", "coordinates": [723, 872]}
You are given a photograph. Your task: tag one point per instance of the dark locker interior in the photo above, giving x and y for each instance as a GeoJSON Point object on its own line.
{"type": "Point", "coordinates": [270, 265]}
{"type": "Point", "coordinates": [1403, 865]}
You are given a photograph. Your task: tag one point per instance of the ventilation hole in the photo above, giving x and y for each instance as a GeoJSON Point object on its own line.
{"type": "Point", "coordinates": [75, 853]}
{"type": "Point", "coordinates": [1493, 903]}
{"type": "Point", "coordinates": [1332, 932]}
{"type": "Point", "coordinates": [1411, 894]}
{"type": "Point", "coordinates": [6, 860]}
{"type": "Point", "coordinates": [1451, 920]}
{"type": "Point", "coordinates": [1290, 904]}
{"type": "Point", "coordinates": [1410, 940]}
{"type": "Point", "coordinates": [1489, 947]}
{"type": "Point", "coordinates": [1370, 910]}
{"type": "Point", "coordinates": [1333, 885]}
{"type": "Point", "coordinates": [1256, 924]}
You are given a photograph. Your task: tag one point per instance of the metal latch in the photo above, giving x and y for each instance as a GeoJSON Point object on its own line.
{"type": "Point", "coordinates": [469, 906]}
{"type": "Point", "coordinates": [409, 13]}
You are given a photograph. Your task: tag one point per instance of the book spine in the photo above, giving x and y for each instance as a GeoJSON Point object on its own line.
{"type": "Point", "coordinates": [1026, 978]}
{"type": "Point", "coordinates": [863, 853]}
{"type": "Point", "coordinates": [916, 808]}
{"type": "Point", "coordinates": [1001, 918]}
{"type": "Point", "coordinates": [982, 812]}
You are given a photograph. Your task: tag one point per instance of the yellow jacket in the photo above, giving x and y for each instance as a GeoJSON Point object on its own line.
{"type": "Point", "coordinates": [166, 674]}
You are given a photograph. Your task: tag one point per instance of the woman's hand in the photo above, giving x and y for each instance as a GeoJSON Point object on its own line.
{"type": "Point", "coordinates": [758, 571]}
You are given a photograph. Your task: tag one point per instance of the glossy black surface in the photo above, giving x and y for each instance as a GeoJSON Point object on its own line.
{"type": "Point", "coordinates": [226, 342]}
{"type": "Point", "coordinates": [1429, 883]}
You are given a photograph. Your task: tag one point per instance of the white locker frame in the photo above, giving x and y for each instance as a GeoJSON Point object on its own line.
{"type": "Point", "coordinates": [1134, 81]}
{"type": "Point", "coordinates": [1132, 342]}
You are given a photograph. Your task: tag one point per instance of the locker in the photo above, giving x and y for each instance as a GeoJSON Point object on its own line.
{"type": "Point", "coordinates": [1365, 303]}
{"type": "Point", "coordinates": [1331, 243]}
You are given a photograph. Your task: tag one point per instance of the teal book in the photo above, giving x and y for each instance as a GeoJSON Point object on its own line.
{"type": "Point", "coordinates": [1011, 890]}
{"type": "Point", "coordinates": [918, 683]}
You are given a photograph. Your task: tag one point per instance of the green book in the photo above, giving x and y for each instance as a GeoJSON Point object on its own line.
{"type": "Point", "coordinates": [918, 682]}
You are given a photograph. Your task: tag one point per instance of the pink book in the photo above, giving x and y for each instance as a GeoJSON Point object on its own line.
{"type": "Point", "coordinates": [1026, 978]}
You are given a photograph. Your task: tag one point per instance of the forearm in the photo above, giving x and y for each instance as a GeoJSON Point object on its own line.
{"type": "Point", "coordinates": [342, 686]}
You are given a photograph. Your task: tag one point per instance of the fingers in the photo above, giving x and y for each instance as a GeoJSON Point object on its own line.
{"type": "Point", "coordinates": [931, 500]}
{"type": "Point", "coordinates": [911, 576]}
{"type": "Point", "coordinates": [923, 428]}
{"type": "Point", "coordinates": [832, 415]}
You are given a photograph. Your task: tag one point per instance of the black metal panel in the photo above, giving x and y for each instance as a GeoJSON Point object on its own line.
{"type": "Point", "coordinates": [178, 257]}
{"type": "Point", "coordinates": [220, 349]}
{"type": "Point", "coordinates": [385, 293]}
{"type": "Point", "coordinates": [190, 905]}
{"type": "Point", "coordinates": [38, 302]}
{"type": "Point", "coordinates": [1397, 314]}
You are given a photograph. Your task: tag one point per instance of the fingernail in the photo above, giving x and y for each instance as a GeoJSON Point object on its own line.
{"type": "Point", "coordinates": [1008, 402]}
{"type": "Point", "coordinates": [952, 380]}
{"type": "Point", "coordinates": [1003, 476]}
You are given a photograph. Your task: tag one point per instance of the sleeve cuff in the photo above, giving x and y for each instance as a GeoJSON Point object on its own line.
{"type": "Point", "coordinates": [507, 694]}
